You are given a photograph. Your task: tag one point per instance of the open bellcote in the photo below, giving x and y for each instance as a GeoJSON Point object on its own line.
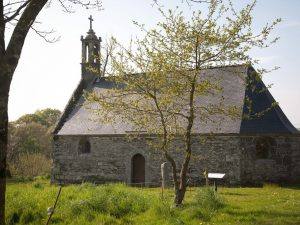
{"type": "Point", "coordinates": [90, 59]}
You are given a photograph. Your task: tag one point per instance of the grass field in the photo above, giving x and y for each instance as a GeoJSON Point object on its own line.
{"type": "Point", "coordinates": [27, 203]}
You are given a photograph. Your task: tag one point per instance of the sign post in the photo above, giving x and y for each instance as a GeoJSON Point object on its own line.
{"type": "Point", "coordinates": [215, 177]}
{"type": "Point", "coordinates": [206, 177]}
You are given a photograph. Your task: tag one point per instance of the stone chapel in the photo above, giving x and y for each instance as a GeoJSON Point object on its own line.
{"type": "Point", "coordinates": [264, 149]}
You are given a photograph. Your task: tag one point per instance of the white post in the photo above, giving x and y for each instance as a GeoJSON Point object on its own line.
{"type": "Point", "coordinates": [162, 168]}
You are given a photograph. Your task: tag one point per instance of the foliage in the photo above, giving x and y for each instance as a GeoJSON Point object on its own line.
{"type": "Point", "coordinates": [208, 198]}
{"type": "Point", "coordinates": [31, 165]}
{"type": "Point", "coordinates": [159, 79]}
{"type": "Point", "coordinates": [30, 143]}
{"type": "Point", "coordinates": [45, 117]}
{"type": "Point", "coordinates": [27, 203]}
{"type": "Point", "coordinates": [103, 200]}
{"type": "Point", "coordinates": [29, 138]}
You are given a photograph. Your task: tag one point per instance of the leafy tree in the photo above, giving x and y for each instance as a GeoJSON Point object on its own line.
{"type": "Point", "coordinates": [20, 16]}
{"type": "Point", "coordinates": [159, 80]}
{"type": "Point", "coordinates": [31, 165]}
{"type": "Point", "coordinates": [31, 135]}
{"type": "Point", "coordinates": [46, 117]}
{"type": "Point", "coordinates": [28, 139]}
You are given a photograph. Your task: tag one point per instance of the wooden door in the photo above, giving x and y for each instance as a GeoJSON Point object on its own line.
{"type": "Point", "coordinates": [138, 170]}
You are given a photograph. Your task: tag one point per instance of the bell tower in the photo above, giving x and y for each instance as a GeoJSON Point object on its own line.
{"type": "Point", "coordinates": [90, 59]}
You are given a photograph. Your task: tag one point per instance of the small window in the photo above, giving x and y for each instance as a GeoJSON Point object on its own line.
{"type": "Point", "coordinates": [286, 160]}
{"type": "Point", "coordinates": [84, 146]}
{"type": "Point", "coordinates": [263, 148]}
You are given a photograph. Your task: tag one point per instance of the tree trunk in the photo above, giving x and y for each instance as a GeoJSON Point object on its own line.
{"type": "Point", "coordinates": [9, 59]}
{"type": "Point", "coordinates": [179, 182]}
{"type": "Point", "coordinates": [181, 187]}
{"type": "Point", "coordinates": [4, 89]}
{"type": "Point", "coordinates": [179, 196]}
{"type": "Point", "coordinates": [180, 191]}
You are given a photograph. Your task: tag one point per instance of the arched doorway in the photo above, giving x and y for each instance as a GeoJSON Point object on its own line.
{"type": "Point", "coordinates": [138, 170]}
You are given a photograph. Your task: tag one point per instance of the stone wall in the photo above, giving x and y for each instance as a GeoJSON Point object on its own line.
{"type": "Point", "coordinates": [295, 159]}
{"type": "Point", "coordinates": [282, 164]}
{"type": "Point", "coordinates": [110, 159]}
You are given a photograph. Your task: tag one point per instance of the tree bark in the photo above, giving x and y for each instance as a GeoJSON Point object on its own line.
{"type": "Point", "coordinates": [4, 89]}
{"type": "Point", "coordinates": [179, 196]}
{"type": "Point", "coordinates": [180, 192]}
{"type": "Point", "coordinates": [9, 59]}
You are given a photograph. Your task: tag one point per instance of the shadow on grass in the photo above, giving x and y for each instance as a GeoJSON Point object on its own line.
{"type": "Point", "coordinates": [293, 187]}
{"type": "Point", "coordinates": [234, 194]}
{"type": "Point", "coordinates": [262, 213]}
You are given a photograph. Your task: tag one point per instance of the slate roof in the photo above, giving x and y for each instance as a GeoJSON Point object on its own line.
{"type": "Point", "coordinates": [80, 119]}
{"type": "Point", "coordinates": [272, 121]}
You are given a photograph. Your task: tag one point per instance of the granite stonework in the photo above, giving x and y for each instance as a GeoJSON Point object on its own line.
{"type": "Point", "coordinates": [110, 159]}
{"type": "Point", "coordinates": [281, 166]}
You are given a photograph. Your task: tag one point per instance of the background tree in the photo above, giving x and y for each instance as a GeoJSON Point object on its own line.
{"type": "Point", "coordinates": [45, 117]}
{"type": "Point", "coordinates": [31, 138]}
{"type": "Point", "coordinates": [21, 15]}
{"type": "Point", "coordinates": [159, 82]}
{"type": "Point", "coordinates": [31, 135]}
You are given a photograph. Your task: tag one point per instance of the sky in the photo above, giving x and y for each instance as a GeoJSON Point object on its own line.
{"type": "Point", "coordinates": [48, 73]}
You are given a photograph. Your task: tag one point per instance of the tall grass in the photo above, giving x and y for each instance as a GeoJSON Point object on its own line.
{"type": "Point", "coordinates": [209, 199]}
{"type": "Point", "coordinates": [114, 199]}
{"type": "Point", "coordinates": [205, 204]}
{"type": "Point", "coordinates": [85, 202]}
{"type": "Point", "coordinates": [118, 204]}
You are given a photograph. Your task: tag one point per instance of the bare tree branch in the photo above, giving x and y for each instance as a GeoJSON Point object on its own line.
{"type": "Point", "coordinates": [17, 11]}
{"type": "Point", "coordinates": [45, 35]}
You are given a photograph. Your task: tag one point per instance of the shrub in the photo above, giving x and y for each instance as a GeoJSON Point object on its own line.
{"type": "Point", "coordinates": [209, 199]}
{"type": "Point", "coordinates": [31, 165]}
{"type": "Point", "coordinates": [14, 219]}
{"type": "Point", "coordinates": [206, 203]}
{"type": "Point", "coordinates": [164, 208]}
{"type": "Point", "coordinates": [114, 199]}
{"type": "Point", "coordinates": [270, 185]}
{"type": "Point", "coordinates": [167, 212]}
{"type": "Point", "coordinates": [24, 216]}
{"type": "Point", "coordinates": [38, 185]}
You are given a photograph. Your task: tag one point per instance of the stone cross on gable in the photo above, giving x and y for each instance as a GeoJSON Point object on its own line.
{"type": "Point", "coordinates": [91, 22]}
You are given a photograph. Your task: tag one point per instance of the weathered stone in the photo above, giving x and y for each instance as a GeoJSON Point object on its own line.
{"type": "Point", "coordinates": [110, 160]}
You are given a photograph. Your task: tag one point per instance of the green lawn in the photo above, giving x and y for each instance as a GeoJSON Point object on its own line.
{"type": "Point", "coordinates": [27, 203]}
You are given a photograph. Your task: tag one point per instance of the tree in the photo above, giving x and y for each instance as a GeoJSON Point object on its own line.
{"type": "Point", "coordinates": [159, 80]}
{"type": "Point", "coordinates": [45, 117]}
{"type": "Point", "coordinates": [21, 15]}
{"type": "Point", "coordinates": [27, 144]}
{"type": "Point", "coordinates": [31, 133]}
{"type": "Point", "coordinates": [28, 138]}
